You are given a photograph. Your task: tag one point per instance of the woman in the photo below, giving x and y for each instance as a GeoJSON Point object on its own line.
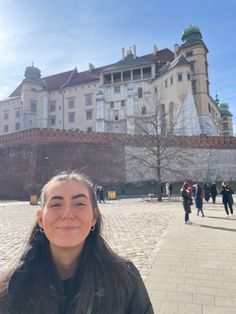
{"type": "Point", "coordinates": [187, 201]}
{"type": "Point", "coordinates": [198, 195]}
{"type": "Point", "coordinates": [67, 267]}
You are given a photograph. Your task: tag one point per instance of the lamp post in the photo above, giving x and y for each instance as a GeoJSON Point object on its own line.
{"type": "Point", "coordinates": [208, 167]}
{"type": "Point", "coordinates": [46, 160]}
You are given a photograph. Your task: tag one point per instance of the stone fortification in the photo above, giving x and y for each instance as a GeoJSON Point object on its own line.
{"type": "Point", "coordinates": [30, 157]}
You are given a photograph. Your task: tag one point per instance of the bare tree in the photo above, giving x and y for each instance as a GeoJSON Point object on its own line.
{"type": "Point", "coordinates": [154, 151]}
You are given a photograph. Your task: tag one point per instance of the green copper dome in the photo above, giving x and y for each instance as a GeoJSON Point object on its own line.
{"type": "Point", "coordinates": [191, 33]}
{"type": "Point", "coordinates": [32, 73]}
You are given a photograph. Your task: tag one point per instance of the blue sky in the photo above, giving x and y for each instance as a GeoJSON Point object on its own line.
{"type": "Point", "coordinates": [58, 35]}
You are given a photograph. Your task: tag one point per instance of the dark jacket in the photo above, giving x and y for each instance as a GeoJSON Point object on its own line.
{"type": "Point", "coordinates": [198, 197]}
{"type": "Point", "coordinates": [52, 301]}
{"type": "Point", "coordinates": [227, 195]}
{"type": "Point", "coordinates": [186, 200]}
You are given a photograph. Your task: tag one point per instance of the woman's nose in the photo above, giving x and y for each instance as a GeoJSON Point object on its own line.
{"type": "Point", "coordinates": [68, 212]}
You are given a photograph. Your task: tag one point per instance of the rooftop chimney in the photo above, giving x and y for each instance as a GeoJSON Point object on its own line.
{"type": "Point", "coordinates": [176, 48]}
{"type": "Point", "coordinates": [155, 49]}
{"type": "Point", "coordinates": [91, 67]}
{"type": "Point", "coordinates": [134, 50]}
{"type": "Point", "coordinates": [123, 53]}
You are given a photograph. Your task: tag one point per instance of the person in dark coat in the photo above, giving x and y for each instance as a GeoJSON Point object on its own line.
{"type": "Point", "coordinates": [213, 191]}
{"type": "Point", "coordinates": [227, 198]}
{"type": "Point", "coordinates": [187, 201]}
{"type": "Point", "coordinates": [206, 190]}
{"type": "Point", "coordinates": [66, 266]}
{"type": "Point", "coordinates": [198, 196]}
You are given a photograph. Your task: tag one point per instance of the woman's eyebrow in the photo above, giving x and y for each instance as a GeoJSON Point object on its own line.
{"type": "Point", "coordinates": [57, 198]}
{"type": "Point", "coordinates": [79, 196]}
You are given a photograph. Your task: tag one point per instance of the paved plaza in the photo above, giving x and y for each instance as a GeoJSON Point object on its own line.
{"type": "Point", "coordinates": [187, 268]}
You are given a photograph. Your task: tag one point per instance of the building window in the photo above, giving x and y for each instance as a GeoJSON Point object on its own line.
{"type": "Point", "coordinates": [194, 86]}
{"type": "Point", "coordinates": [6, 116]}
{"type": "Point", "coordinates": [180, 77]}
{"type": "Point", "coordinates": [207, 87]}
{"type": "Point", "coordinates": [116, 115]}
{"type": "Point", "coordinates": [71, 117]}
{"type": "Point", "coordinates": [188, 76]}
{"type": "Point", "coordinates": [144, 110]}
{"type": "Point", "coordinates": [155, 89]}
{"type": "Point", "coordinates": [126, 76]}
{"type": "Point", "coordinates": [171, 81]}
{"type": "Point", "coordinates": [225, 126]}
{"type": "Point", "coordinates": [137, 74]}
{"type": "Point", "coordinates": [89, 129]}
{"type": "Point", "coordinates": [192, 67]}
{"type": "Point", "coordinates": [33, 89]}
{"type": "Point", "coordinates": [52, 106]}
{"type": "Point", "coordinates": [189, 53]}
{"type": "Point", "coordinates": [17, 126]}
{"type": "Point", "coordinates": [52, 120]}
{"type": "Point", "coordinates": [107, 78]}
{"type": "Point", "coordinates": [166, 84]}
{"type": "Point", "coordinates": [140, 92]}
{"type": "Point", "coordinates": [33, 106]}
{"type": "Point", "coordinates": [224, 118]}
{"type": "Point", "coordinates": [71, 103]}
{"type": "Point", "coordinates": [122, 103]}
{"type": "Point", "coordinates": [117, 89]}
{"type": "Point", "coordinates": [5, 128]}
{"type": "Point", "coordinates": [209, 107]}
{"type": "Point", "coordinates": [117, 77]}
{"type": "Point", "coordinates": [89, 115]}
{"type": "Point", "coordinates": [112, 104]}
{"type": "Point", "coordinates": [88, 99]}
{"type": "Point", "coordinates": [17, 113]}
{"type": "Point", "coordinates": [147, 72]}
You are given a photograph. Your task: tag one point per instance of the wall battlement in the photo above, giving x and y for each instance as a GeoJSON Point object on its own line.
{"type": "Point", "coordinates": [43, 136]}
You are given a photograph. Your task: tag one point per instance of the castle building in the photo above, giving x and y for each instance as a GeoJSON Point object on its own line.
{"type": "Point", "coordinates": [113, 98]}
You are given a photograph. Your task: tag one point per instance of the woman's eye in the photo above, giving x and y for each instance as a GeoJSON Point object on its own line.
{"type": "Point", "coordinates": [55, 205]}
{"type": "Point", "coordinates": [79, 204]}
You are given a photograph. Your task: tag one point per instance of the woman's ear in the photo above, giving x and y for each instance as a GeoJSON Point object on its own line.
{"type": "Point", "coordinates": [39, 217]}
{"type": "Point", "coordinates": [95, 215]}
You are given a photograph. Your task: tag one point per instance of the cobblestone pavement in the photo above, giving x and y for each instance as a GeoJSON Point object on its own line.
{"type": "Point", "coordinates": [132, 227]}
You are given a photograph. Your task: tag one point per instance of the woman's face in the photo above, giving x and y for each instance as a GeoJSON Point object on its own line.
{"type": "Point", "coordinates": [67, 215]}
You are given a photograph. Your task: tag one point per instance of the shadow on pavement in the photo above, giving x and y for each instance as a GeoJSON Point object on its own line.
{"type": "Point", "coordinates": [218, 228]}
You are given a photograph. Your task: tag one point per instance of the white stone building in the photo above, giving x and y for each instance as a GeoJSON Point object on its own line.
{"type": "Point", "coordinates": [114, 97]}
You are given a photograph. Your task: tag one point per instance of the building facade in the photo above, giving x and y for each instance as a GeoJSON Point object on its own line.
{"type": "Point", "coordinates": [173, 86]}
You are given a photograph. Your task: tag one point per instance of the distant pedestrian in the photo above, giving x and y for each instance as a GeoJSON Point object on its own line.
{"type": "Point", "coordinates": [97, 191]}
{"type": "Point", "coordinates": [213, 191]}
{"type": "Point", "coordinates": [206, 190]}
{"type": "Point", "coordinates": [101, 195]}
{"type": "Point", "coordinates": [198, 196]}
{"type": "Point", "coordinates": [171, 189]}
{"type": "Point", "coordinates": [227, 198]}
{"type": "Point", "coordinates": [187, 201]}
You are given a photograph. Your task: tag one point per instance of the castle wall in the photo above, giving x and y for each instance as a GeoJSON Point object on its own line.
{"type": "Point", "coordinates": [29, 158]}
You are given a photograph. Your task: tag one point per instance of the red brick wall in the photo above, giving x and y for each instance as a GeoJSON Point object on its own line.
{"type": "Point", "coordinates": [30, 157]}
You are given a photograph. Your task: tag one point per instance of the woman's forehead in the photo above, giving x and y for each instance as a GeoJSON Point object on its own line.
{"type": "Point", "coordinates": [66, 188]}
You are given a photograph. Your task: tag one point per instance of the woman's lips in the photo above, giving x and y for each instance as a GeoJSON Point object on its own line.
{"type": "Point", "coordinates": [67, 228]}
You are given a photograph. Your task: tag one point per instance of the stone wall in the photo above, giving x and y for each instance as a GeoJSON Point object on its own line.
{"type": "Point", "coordinates": [29, 158]}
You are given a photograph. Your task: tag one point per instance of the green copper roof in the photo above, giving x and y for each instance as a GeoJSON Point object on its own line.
{"type": "Point", "coordinates": [191, 33]}
{"type": "Point", "coordinates": [224, 108]}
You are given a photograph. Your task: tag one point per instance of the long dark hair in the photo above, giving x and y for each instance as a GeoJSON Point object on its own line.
{"type": "Point", "coordinates": [99, 272]}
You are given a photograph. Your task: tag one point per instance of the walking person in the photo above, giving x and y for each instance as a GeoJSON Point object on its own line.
{"type": "Point", "coordinates": [101, 195]}
{"type": "Point", "coordinates": [187, 201]}
{"type": "Point", "coordinates": [227, 198]}
{"type": "Point", "coordinates": [66, 266]}
{"type": "Point", "coordinates": [206, 190]}
{"type": "Point", "coordinates": [198, 196]}
{"type": "Point", "coordinates": [213, 191]}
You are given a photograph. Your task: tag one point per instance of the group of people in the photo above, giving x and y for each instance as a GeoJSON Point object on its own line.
{"type": "Point", "coordinates": [197, 194]}
{"type": "Point", "coordinates": [66, 266]}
